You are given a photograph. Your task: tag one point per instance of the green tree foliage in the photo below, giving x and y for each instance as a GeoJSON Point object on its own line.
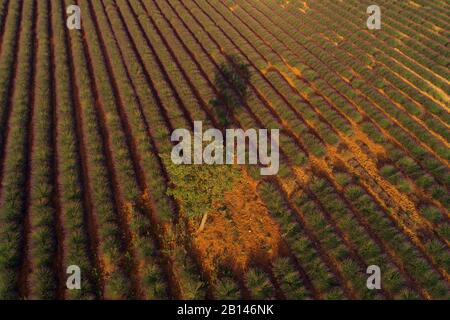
{"type": "Point", "coordinates": [232, 81]}
{"type": "Point", "coordinates": [199, 188]}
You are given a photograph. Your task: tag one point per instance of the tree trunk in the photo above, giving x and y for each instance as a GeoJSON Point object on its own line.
{"type": "Point", "coordinates": [203, 223]}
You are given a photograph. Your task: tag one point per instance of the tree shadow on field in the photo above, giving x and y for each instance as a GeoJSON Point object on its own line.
{"type": "Point", "coordinates": [232, 80]}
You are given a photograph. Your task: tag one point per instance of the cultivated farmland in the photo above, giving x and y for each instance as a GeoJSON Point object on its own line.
{"type": "Point", "coordinates": [86, 118]}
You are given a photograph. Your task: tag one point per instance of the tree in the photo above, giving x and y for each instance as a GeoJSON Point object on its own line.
{"type": "Point", "coordinates": [232, 81]}
{"type": "Point", "coordinates": [199, 189]}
